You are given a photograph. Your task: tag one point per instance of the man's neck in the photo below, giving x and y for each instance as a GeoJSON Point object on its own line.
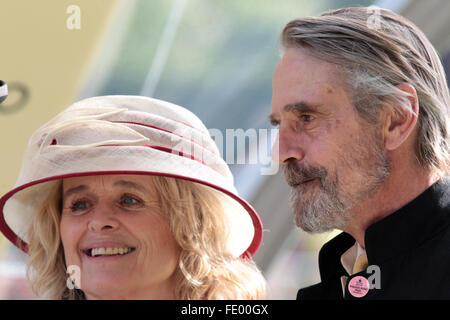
{"type": "Point", "coordinates": [399, 189]}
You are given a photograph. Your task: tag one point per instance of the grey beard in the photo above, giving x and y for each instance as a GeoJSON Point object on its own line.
{"type": "Point", "coordinates": [323, 211]}
{"type": "Point", "coordinates": [329, 207]}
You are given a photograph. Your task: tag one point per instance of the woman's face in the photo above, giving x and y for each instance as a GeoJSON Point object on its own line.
{"type": "Point", "coordinates": [112, 228]}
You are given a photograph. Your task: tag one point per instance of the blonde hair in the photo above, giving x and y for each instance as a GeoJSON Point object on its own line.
{"type": "Point", "coordinates": [378, 49]}
{"type": "Point", "coordinates": [206, 269]}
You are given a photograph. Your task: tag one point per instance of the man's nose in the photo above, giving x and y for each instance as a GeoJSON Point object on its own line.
{"type": "Point", "coordinates": [103, 218]}
{"type": "Point", "coordinates": [287, 147]}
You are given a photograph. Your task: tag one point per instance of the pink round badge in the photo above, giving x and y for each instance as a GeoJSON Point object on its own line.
{"type": "Point", "coordinates": [358, 286]}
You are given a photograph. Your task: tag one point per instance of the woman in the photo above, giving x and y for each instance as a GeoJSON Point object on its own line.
{"type": "Point", "coordinates": [126, 197]}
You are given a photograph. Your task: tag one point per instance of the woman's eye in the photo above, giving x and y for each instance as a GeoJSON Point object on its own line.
{"type": "Point", "coordinates": [130, 201]}
{"type": "Point", "coordinates": [79, 205]}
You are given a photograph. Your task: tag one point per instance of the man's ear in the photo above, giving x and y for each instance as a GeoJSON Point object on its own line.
{"type": "Point", "coordinates": [400, 123]}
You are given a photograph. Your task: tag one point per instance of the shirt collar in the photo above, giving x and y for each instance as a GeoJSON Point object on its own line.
{"type": "Point", "coordinates": [349, 257]}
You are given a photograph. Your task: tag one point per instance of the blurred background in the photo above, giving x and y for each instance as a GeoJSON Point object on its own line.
{"type": "Point", "coordinates": [214, 57]}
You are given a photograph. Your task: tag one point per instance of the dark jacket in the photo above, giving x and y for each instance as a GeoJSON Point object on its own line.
{"type": "Point", "coordinates": [410, 246]}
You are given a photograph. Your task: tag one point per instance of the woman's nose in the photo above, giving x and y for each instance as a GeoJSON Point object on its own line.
{"type": "Point", "coordinates": [103, 218]}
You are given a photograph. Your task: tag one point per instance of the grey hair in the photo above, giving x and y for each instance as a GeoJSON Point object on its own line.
{"type": "Point", "coordinates": [376, 59]}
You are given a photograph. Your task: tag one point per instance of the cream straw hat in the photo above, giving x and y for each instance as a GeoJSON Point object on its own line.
{"type": "Point", "coordinates": [125, 135]}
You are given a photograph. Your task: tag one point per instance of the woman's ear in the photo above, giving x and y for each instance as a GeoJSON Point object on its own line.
{"type": "Point", "coordinates": [399, 123]}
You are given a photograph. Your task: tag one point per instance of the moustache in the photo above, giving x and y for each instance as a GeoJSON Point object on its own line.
{"type": "Point", "coordinates": [296, 174]}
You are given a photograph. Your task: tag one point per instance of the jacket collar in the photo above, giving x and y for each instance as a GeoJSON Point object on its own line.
{"type": "Point", "coordinates": [411, 225]}
{"type": "Point", "coordinates": [400, 231]}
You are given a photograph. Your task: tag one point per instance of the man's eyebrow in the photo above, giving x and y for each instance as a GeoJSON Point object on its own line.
{"type": "Point", "coordinates": [301, 107]}
{"type": "Point", "coordinates": [298, 107]}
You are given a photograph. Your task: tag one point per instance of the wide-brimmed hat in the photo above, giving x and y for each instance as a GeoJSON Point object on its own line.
{"type": "Point", "coordinates": [125, 135]}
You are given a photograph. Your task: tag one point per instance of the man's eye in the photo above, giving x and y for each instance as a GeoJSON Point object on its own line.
{"type": "Point", "coordinates": [275, 123]}
{"type": "Point", "coordinates": [307, 117]}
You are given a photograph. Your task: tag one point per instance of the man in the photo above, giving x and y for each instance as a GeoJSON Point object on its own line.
{"type": "Point", "coordinates": [363, 115]}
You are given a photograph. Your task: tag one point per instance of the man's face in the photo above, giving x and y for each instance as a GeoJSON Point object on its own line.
{"type": "Point", "coordinates": [332, 158]}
